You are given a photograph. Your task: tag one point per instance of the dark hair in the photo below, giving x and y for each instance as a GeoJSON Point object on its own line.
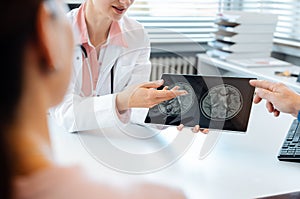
{"type": "Point", "coordinates": [18, 27]}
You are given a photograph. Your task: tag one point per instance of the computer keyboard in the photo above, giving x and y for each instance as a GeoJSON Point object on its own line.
{"type": "Point", "coordinates": [290, 149]}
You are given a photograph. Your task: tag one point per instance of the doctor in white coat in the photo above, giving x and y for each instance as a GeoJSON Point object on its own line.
{"type": "Point", "coordinates": [110, 66]}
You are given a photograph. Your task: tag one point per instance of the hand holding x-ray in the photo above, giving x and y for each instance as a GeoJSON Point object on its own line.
{"type": "Point", "coordinates": [145, 95]}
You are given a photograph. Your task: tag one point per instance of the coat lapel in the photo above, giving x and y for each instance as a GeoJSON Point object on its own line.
{"type": "Point", "coordinates": [110, 59]}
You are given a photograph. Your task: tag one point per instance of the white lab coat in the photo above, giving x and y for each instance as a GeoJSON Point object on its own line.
{"type": "Point", "coordinates": [78, 113]}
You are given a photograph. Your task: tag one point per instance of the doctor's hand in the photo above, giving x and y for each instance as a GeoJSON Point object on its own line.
{"type": "Point", "coordinates": [145, 95]}
{"type": "Point", "coordinates": [195, 129]}
{"type": "Point", "coordinates": [279, 98]}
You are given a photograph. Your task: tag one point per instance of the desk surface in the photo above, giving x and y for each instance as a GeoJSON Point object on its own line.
{"type": "Point", "coordinates": [239, 166]}
{"type": "Point", "coordinates": [258, 72]}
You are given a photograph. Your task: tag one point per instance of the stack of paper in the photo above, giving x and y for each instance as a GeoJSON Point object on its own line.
{"type": "Point", "coordinates": [229, 55]}
{"type": "Point", "coordinates": [241, 47]}
{"type": "Point", "coordinates": [259, 62]}
{"type": "Point", "coordinates": [243, 35]}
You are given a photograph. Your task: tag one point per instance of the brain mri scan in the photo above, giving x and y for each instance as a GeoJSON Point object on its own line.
{"type": "Point", "coordinates": [180, 104]}
{"type": "Point", "coordinates": [222, 102]}
{"type": "Point", "coordinates": [212, 102]}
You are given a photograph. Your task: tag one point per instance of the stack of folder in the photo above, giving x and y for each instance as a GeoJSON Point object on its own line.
{"type": "Point", "coordinates": [243, 35]}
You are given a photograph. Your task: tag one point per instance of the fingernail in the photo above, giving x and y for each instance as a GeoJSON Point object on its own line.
{"type": "Point", "coordinates": [183, 93]}
{"type": "Point", "coordinates": [205, 131]}
{"type": "Point", "coordinates": [180, 127]}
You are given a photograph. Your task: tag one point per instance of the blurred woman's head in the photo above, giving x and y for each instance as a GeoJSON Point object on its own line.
{"type": "Point", "coordinates": [36, 58]}
{"type": "Point", "coordinates": [37, 42]}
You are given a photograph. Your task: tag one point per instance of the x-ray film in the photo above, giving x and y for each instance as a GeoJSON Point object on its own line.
{"type": "Point", "coordinates": [212, 102]}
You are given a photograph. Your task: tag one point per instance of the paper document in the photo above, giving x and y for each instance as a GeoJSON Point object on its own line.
{"type": "Point", "coordinates": [244, 38]}
{"type": "Point", "coordinates": [236, 56]}
{"type": "Point", "coordinates": [240, 17]}
{"type": "Point", "coordinates": [259, 62]}
{"type": "Point", "coordinates": [241, 47]}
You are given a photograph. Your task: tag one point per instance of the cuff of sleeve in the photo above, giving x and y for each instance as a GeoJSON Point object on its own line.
{"type": "Point", "coordinates": [298, 116]}
{"type": "Point", "coordinates": [124, 116]}
{"type": "Point", "coordinates": [106, 112]}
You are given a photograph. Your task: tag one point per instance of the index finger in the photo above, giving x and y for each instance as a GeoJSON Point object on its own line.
{"type": "Point", "coordinates": [153, 84]}
{"type": "Point", "coordinates": [262, 84]}
{"type": "Point", "coordinates": [168, 94]}
{"type": "Point", "coordinates": [264, 94]}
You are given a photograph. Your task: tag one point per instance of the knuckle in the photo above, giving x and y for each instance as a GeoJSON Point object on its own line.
{"type": "Point", "coordinates": [147, 98]}
{"type": "Point", "coordinates": [279, 84]}
{"type": "Point", "coordinates": [150, 95]}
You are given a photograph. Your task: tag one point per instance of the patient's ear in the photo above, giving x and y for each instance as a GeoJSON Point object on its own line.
{"type": "Point", "coordinates": [45, 42]}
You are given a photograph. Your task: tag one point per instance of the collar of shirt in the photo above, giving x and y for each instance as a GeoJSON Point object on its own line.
{"type": "Point", "coordinates": [115, 36]}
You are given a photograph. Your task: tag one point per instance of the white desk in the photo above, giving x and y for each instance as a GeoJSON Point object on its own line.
{"type": "Point", "coordinates": [240, 165]}
{"type": "Point", "coordinates": [210, 66]}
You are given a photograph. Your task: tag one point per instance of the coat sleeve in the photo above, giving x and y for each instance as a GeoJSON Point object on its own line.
{"type": "Point", "coordinates": [78, 113]}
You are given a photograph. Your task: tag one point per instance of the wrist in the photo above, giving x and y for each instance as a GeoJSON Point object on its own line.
{"type": "Point", "coordinates": [121, 104]}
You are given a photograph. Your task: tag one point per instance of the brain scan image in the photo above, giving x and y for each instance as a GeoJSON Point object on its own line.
{"type": "Point", "coordinates": [212, 102]}
{"type": "Point", "coordinates": [180, 104]}
{"type": "Point", "coordinates": [221, 102]}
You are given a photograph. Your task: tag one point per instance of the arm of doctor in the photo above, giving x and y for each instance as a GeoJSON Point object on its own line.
{"type": "Point", "coordinates": [145, 95]}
